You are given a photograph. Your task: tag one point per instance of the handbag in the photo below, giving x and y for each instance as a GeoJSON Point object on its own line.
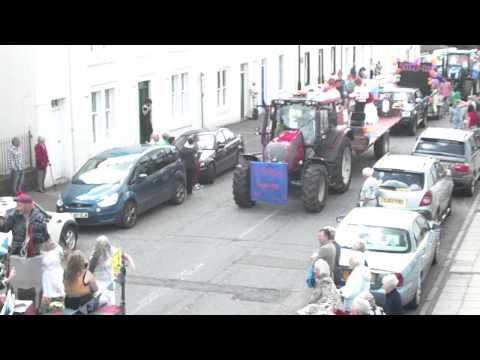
{"type": "Point", "coordinates": [311, 277]}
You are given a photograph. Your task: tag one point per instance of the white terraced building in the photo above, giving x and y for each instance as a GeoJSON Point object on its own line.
{"type": "Point", "coordinates": [86, 98]}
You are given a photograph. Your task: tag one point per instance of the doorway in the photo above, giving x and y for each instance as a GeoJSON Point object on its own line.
{"type": "Point", "coordinates": [243, 91]}
{"type": "Point", "coordinates": [54, 140]}
{"type": "Point", "coordinates": [143, 94]}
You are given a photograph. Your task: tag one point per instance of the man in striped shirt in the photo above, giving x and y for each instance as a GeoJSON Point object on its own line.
{"type": "Point", "coordinates": [15, 164]}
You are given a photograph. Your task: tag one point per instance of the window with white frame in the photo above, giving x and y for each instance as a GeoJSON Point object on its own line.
{"type": "Point", "coordinates": [280, 72]}
{"type": "Point", "coordinates": [108, 111]}
{"type": "Point", "coordinates": [179, 84]}
{"type": "Point", "coordinates": [221, 88]}
{"type": "Point", "coordinates": [95, 114]}
{"type": "Point", "coordinates": [307, 68]}
{"type": "Point", "coordinates": [184, 93]}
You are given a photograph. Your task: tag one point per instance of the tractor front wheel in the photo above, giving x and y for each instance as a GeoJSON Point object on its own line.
{"type": "Point", "coordinates": [315, 188]}
{"type": "Point", "coordinates": [241, 186]}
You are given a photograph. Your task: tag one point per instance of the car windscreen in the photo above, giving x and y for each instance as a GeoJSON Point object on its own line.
{"type": "Point", "coordinates": [99, 171]}
{"type": "Point", "coordinates": [399, 180]}
{"type": "Point", "coordinates": [441, 147]}
{"type": "Point", "coordinates": [376, 238]}
{"type": "Point", "coordinates": [297, 116]}
{"type": "Point", "coordinates": [206, 141]}
{"type": "Point", "coordinates": [397, 96]}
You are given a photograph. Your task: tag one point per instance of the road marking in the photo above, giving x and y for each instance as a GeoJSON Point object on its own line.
{"type": "Point", "coordinates": [433, 295]}
{"type": "Point", "coordinates": [150, 298]}
{"type": "Point", "coordinates": [185, 273]}
{"type": "Point", "coordinates": [261, 222]}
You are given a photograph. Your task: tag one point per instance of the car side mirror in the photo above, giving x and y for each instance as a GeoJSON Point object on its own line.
{"type": "Point", "coordinates": [434, 225]}
{"type": "Point", "coordinates": [220, 145]}
{"type": "Point", "coordinates": [340, 219]}
{"type": "Point", "coordinates": [141, 177]}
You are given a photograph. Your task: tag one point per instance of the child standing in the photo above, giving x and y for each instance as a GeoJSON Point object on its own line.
{"type": "Point", "coordinates": [52, 273]}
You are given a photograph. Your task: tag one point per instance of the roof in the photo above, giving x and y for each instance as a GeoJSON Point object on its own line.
{"type": "Point", "coordinates": [197, 131]}
{"type": "Point", "coordinates": [380, 216]}
{"type": "Point", "coordinates": [404, 162]}
{"type": "Point", "coordinates": [129, 150]}
{"type": "Point", "coordinates": [446, 134]}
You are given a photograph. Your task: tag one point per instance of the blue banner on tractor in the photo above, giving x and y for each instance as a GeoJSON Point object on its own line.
{"type": "Point", "coordinates": [269, 182]}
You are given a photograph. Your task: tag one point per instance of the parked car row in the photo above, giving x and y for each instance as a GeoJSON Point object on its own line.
{"type": "Point", "coordinates": [401, 229]}
{"type": "Point", "coordinates": [117, 185]}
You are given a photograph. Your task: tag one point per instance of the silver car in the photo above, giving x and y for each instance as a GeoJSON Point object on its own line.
{"type": "Point", "coordinates": [401, 242]}
{"type": "Point", "coordinates": [414, 183]}
{"type": "Point", "coordinates": [458, 150]}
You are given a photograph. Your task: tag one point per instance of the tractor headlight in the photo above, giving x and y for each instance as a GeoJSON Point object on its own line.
{"type": "Point", "coordinates": [109, 200]}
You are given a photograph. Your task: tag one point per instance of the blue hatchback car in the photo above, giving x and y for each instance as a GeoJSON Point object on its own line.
{"type": "Point", "coordinates": [117, 185]}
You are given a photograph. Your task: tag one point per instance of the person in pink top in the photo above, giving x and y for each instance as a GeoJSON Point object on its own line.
{"type": "Point", "coordinates": [446, 88]}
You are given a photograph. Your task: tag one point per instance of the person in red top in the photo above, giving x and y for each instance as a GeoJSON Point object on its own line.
{"type": "Point", "coordinates": [472, 117]}
{"type": "Point", "coordinates": [41, 157]}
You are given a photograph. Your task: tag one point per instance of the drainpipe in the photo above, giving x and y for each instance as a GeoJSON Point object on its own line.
{"type": "Point", "coordinates": [299, 86]}
{"type": "Point", "coordinates": [71, 105]}
{"type": "Point", "coordinates": [201, 97]}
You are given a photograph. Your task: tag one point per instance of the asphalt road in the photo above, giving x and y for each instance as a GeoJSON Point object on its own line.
{"type": "Point", "coordinates": [207, 256]}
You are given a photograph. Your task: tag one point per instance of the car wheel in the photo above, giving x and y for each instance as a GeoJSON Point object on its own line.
{"type": "Point", "coordinates": [436, 255]}
{"type": "Point", "coordinates": [211, 173]}
{"type": "Point", "coordinates": [180, 192]}
{"type": "Point", "coordinates": [129, 215]}
{"type": "Point", "coordinates": [69, 237]}
{"type": "Point", "coordinates": [471, 188]}
{"type": "Point", "coordinates": [425, 120]}
{"type": "Point", "coordinates": [417, 299]}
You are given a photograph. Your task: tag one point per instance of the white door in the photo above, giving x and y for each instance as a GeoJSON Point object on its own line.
{"type": "Point", "coordinates": [55, 141]}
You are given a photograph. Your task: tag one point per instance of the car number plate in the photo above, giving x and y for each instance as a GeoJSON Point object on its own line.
{"type": "Point", "coordinates": [80, 215]}
{"type": "Point", "coordinates": [390, 201]}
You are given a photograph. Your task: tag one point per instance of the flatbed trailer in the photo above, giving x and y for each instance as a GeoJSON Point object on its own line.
{"type": "Point", "coordinates": [373, 135]}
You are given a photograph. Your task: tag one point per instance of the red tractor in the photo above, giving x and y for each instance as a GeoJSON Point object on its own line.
{"type": "Point", "coordinates": [304, 133]}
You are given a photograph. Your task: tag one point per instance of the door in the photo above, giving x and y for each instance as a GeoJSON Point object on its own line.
{"type": "Point", "coordinates": [162, 175]}
{"type": "Point", "coordinates": [54, 140]}
{"type": "Point", "coordinates": [436, 190]}
{"type": "Point", "coordinates": [202, 99]}
{"type": "Point", "coordinates": [475, 151]}
{"type": "Point", "coordinates": [422, 255]}
{"type": "Point", "coordinates": [143, 188]}
{"type": "Point", "coordinates": [320, 67]}
{"type": "Point", "coordinates": [231, 148]}
{"type": "Point", "coordinates": [428, 239]}
{"type": "Point", "coordinates": [221, 156]}
{"type": "Point", "coordinates": [143, 94]}
{"type": "Point", "coordinates": [444, 186]}
{"type": "Point", "coordinates": [243, 91]}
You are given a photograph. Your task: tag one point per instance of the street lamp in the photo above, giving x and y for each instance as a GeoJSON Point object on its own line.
{"type": "Point", "coordinates": [299, 86]}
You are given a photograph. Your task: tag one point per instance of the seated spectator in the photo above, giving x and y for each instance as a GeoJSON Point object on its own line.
{"type": "Point", "coordinates": [325, 298]}
{"type": "Point", "coordinates": [80, 284]}
{"type": "Point", "coordinates": [52, 273]}
{"type": "Point", "coordinates": [374, 309]}
{"type": "Point", "coordinates": [393, 300]}
{"type": "Point", "coordinates": [357, 282]}
{"type": "Point", "coordinates": [360, 306]}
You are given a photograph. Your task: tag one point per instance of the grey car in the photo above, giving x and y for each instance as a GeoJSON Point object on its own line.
{"type": "Point", "coordinates": [401, 242]}
{"type": "Point", "coordinates": [457, 150]}
{"type": "Point", "coordinates": [413, 183]}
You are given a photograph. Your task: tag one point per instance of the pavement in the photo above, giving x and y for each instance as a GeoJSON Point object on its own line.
{"type": "Point", "coordinates": [207, 256]}
{"type": "Point", "coordinates": [460, 293]}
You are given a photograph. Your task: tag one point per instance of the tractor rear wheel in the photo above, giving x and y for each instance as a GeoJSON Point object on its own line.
{"type": "Point", "coordinates": [315, 188]}
{"type": "Point", "coordinates": [241, 186]}
{"type": "Point", "coordinates": [344, 168]}
{"type": "Point", "coordinates": [382, 146]}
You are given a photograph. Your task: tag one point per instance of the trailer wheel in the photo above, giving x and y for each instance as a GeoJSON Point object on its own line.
{"type": "Point", "coordinates": [412, 127]}
{"type": "Point", "coordinates": [344, 168]}
{"type": "Point", "coordinates": [241, 186]}
{"type": "Point", "coordinates": [382, 146]}
{"type": "Point", "coordinates": [315, 188]}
